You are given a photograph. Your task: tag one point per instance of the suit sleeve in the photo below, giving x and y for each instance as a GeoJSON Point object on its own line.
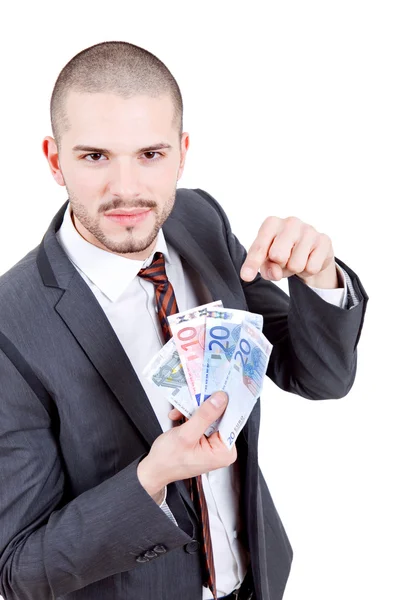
{"type": "Point", "coordinates": [315, 342]}
{"type": "Point", "coordinates": [49, 548]}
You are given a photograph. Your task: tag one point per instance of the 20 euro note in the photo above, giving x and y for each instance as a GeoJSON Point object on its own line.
{"type": "Point", "coordinates": [243, 383]}
{"type": "Point", "coordinates": [188, 330]}
{"type": "Point", "coordinates": [166, 373]}
{"type": "Point", "coordinates": [223, 328]}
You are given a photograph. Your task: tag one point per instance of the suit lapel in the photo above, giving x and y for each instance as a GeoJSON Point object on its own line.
{"type": "Point", "coordinates": [178, 236]}
{"type": "Point", "coordinates": [84, 317]}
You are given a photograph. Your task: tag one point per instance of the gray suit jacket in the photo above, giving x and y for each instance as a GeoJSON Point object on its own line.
{"type": "Point", "coordinates": [75, 422]}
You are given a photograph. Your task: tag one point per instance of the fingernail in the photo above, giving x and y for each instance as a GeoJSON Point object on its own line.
{"type": "Point", "coordinates": [248, 273]}
{"type": "Point", "coordinates": [270, 274]}
{"type": "Point", "coordinates": [218, 399]}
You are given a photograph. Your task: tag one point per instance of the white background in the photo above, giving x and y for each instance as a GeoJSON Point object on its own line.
{"type": "Point", "coordinates": [292, 109]}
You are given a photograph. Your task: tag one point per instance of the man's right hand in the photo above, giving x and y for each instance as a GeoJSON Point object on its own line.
{"type": "Point", "coordinates": [184, 451]}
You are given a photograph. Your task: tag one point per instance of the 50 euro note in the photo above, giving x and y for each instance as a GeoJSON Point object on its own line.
{"type": "Point", "coordinates": [165, 372]}
{"type": "Point", "coordinates": [223, 327]}
{"type": "Point", "coordinates": [243, 383]}
{"type": "Point", "coordinates": [188, 330]}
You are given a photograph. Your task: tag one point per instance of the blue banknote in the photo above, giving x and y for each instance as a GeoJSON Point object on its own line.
{"type": "Point", "coordinates": [223, 326]}
{"type": "Point", "coordinates": [243, 383]}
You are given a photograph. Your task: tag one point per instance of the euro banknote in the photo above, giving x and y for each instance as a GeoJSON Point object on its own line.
{"type": "Point", "coordinates": [188, 328]}
{"type": "Point", "coordinates": [177, 369]}
{"type": "Point", "coordinates": [165, 371]}
{"type": "Point", "coordinates": [243, 383]}
{"type": "Point", "coordinates": [223, 327]}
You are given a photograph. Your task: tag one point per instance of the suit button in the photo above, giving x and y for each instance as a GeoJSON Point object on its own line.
{"type": "Point", "coordinates": [142, 559]}
{"type": "Point", "coordinates": [150, 554]}
{"type": "Point", "coordinates": [160, 549]}
{"type": "Point", "coordinates": [192, 547]}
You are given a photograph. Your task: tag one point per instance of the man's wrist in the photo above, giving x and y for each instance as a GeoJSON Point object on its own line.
{"type": "Point", "coordinates": [149, 482]}
{"type": "Point", "coordinates": [328, 279]}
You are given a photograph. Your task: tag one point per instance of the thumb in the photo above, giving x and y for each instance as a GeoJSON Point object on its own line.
{"type": "Point", "coordinates": [205, 415]}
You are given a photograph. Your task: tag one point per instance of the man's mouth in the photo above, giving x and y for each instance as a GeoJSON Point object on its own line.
{"type": "Point", "coordinates": [130, 217]}
{"type": "Point", "coordinates": [126, 212]}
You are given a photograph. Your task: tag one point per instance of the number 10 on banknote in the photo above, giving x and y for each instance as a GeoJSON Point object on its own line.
{"type": "Point", "coordinates": [188, 329]}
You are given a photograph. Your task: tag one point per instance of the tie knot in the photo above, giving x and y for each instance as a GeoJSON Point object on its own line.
{"type": "Point", "coordinates": [164, 292]}
{"type": "Point", "coordinates": [156, 271]}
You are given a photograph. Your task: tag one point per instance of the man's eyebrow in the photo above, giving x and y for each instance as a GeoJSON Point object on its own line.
{"type": "Point", "coordinates": [152, 148]}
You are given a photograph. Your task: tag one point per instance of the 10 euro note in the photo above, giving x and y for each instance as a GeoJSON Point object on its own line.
{"type": "Point", "coordinates": [188, 330]}
{"type": "Point", "coordinates": [243, 383]}
{"type": "Point", "coordinates": [223, 327]}
{"type": "Point", "coordinates": [165, 372]}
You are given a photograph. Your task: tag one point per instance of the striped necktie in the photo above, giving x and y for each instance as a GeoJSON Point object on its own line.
{"type": "Point", "coordinates": [166, 305]}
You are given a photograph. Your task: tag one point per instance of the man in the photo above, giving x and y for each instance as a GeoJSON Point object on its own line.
{"type": "Point", "coordinates": [97, 472]}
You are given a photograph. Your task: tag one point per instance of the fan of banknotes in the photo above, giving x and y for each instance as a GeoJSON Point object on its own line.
{"type": "Point", "coordinates": [213, 348]}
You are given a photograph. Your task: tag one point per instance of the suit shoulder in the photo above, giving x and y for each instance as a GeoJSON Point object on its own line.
{"type": "Point", "coordinates": [14, 283]}
{"type": "Point", "coordinates": [197, 204]}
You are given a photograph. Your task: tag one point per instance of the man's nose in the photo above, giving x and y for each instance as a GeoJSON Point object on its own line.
{"type": "Point", "coordinates": [126, 178]}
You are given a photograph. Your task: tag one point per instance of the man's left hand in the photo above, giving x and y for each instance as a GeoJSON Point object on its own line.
{"type": "Point", "coordinates": [286, 247]}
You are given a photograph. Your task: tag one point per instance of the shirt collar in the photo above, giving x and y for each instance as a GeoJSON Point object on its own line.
{"type": "Point", "coordinates": [110, 272]}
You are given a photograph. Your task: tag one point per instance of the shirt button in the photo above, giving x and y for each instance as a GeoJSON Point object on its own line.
{"type": "Point", "coordinates": [235, 534]}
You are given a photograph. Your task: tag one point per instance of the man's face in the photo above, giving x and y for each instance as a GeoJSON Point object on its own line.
{"type": "Point", "coordinates": [121, 165]}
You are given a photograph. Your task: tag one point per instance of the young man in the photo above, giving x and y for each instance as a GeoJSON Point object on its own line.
{"type": "Point", "coordinates": [97, 474]}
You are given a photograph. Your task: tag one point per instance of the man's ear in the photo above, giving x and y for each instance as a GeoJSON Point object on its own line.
{"type": "Point", "coordinates": [184, 149]}
{"type": "Point", "coordinates": [50, 151]}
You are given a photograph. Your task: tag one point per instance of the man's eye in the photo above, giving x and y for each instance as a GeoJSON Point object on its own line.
{"type": "Point", "coordinates": [152, 153]}
{"type": "Point", "coordinates": [93, 154]}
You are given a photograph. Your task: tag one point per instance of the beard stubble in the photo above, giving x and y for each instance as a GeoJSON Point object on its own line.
{"type": "Point", "coordinates": [130, 244]}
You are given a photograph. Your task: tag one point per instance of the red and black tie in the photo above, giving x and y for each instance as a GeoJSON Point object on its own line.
{"type": "Point", "coordinates": [166, 305]}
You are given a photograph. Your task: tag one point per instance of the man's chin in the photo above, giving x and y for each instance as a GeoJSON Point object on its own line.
{"type": "Point", "coordinates": [130, 246]}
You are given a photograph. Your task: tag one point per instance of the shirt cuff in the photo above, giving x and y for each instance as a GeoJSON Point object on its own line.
{"type": "Point", "coordinates": [336, 296]}
{"type": "Point", "coordinates": [164, 507]}
{"type": "Point", "coordinates": [164, 496]}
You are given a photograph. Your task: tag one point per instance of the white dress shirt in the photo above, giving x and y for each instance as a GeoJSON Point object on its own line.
{"type": "Point", "coordinates": [129, 304]}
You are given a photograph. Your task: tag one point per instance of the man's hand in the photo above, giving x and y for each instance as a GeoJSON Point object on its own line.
{"type": "Point", "coordinates": [184, 451]}
{"type": "Point", "coordinates": [286, 247]}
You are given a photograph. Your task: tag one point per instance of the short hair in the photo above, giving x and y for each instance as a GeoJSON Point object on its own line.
{"type": "Point", "coordinates": [117, 67]}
